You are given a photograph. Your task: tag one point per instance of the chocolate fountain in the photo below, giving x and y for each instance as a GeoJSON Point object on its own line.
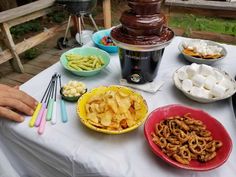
{"type": "Point", "coordinates": [141, 38]}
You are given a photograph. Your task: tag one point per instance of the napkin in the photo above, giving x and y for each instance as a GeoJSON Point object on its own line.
{"type": "Point", "coordinates": [150, 87]}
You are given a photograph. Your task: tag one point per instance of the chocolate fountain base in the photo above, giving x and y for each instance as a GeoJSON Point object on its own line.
{"type": "Point", "coordinates": [139, 67]}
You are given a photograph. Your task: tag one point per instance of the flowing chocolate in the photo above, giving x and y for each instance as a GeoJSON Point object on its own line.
{"type": "Point", "coordinates": [119, 35]}
{"type": "Point", "coordinates": [143, 24]}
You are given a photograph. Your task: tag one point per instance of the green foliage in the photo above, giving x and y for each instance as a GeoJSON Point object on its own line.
{"type": "Point", "coordinates": [31, 26]}
{"type": "Point", "coordinates": [58, 16]}
{"type": "Point", "coordinates": [200, 23]}
{"type": "Point", "coordinates": [32, 53]}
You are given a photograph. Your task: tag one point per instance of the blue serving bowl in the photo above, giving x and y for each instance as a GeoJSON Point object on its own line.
{"type": "Point", "coordinates": [97, 38]}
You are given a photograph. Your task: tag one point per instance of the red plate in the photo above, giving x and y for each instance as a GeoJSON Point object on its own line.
{"type": "Point", "coordinates": [216, 128]}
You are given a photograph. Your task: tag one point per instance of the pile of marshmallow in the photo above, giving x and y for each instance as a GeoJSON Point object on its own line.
{"type": "Point", "coordinates": [202, 48]}
{"type": "Point", "coordinates": [203, 81]}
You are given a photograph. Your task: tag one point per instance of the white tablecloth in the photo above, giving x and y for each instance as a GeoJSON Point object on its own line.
{"type": "Point", "coordinates": [72, 150]}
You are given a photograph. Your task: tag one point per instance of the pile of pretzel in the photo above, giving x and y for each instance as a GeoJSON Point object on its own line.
{"type": "Point", "coordinates": [185, 139]}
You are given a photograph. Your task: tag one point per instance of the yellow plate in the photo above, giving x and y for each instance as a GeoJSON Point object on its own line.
{"type": "Point", "coordinates": [81, 111]}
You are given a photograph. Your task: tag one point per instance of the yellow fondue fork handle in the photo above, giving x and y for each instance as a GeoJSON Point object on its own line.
{"type": "Point", "coordinates": [35, 115]}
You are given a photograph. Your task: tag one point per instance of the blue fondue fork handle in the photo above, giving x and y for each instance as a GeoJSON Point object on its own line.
{"type": "Point", "coordinates": [64, 117]}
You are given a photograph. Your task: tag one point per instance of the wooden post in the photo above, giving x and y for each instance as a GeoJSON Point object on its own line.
{"type": "Point", "coordinates": [107, 13]}
{"type": "Point", "coordinates": [16, 63]}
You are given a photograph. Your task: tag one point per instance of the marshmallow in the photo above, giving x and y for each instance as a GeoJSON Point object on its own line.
{"type": "Point", "coordinates": [210, 82]}
{"type": "Point", "coordinates": [206, 70]}
{"type": "Point", "coordinates": [187, 85]}
{"type": "Point", "coordinates": [185, 44]}
{"type": "Point", "coordinates": [219, 77]}
{"type": "Point", "coordinates": [225, 83]}
{"type": "Point", "coordinates": [192, 70]}
{"type": "Point", "coordinates": [218, 91]}
{"type": "Point", "coordinates": [195, 91]}
{"type": "Point", "coordinates": [198, 80]}
{"type": "Point", "coordinates": [205, 93]}
{"type": "Point", "coordinates": [196, 66]}
{"type": "Point", "coordinates": [182, 74]}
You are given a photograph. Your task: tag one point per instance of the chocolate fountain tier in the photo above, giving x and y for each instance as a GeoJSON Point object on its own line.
{"type": "Point", "coordinates": [145, 7]}
{"type": "Point", "coordinates": [142, 43]}
{"type": "Point", "coordinates": [142, 24]}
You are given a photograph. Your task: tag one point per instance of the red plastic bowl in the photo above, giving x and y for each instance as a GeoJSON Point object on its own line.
{"type": "Point", "coordinates": [216, 128]}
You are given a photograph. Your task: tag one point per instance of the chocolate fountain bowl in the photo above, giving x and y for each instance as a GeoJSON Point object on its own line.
{"type": "Point", "coordinates": [140, 56]}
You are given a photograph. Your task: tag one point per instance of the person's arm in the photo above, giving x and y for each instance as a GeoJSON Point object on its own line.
{"type": "Point", "coordinates": [13, 100]}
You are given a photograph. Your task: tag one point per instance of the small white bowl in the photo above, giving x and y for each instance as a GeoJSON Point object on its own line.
{"type": "Point", "coordinates": [202, 60]}
{"type": "Point", "coordinates": [228, 93]}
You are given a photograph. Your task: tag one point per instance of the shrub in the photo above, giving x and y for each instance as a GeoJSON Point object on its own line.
{"type": "Point", "coordinates": [32, 53]}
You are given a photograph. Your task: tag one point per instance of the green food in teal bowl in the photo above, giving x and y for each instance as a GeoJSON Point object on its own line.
{"type": "Point", "coordinates": [85, 61]}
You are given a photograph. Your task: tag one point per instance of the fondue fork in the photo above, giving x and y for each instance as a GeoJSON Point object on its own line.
{"type": "Point", "coordinates": [44, 104]}
{"type": "Point", "coordinates": [51, 102]}
{"type": "Point", "coordinates": [64, 117]}
{"type": "Point", "coordinates": [37, 113]}
{"type": "Point", "coordinates": [43, 120]}
{"type": "Point", "coordinates": [54, 111]}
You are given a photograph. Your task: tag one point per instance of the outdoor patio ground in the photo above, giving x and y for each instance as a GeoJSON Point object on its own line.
{"type": "Point", "coordinates": [49, 55]}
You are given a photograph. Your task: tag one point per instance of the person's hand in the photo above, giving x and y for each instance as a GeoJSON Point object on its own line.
{"type": "Point", "coordinates": [12, 101]}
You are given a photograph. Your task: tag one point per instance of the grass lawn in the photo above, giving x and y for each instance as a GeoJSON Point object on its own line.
{"type": "Point", "coordinates": [201, 23]}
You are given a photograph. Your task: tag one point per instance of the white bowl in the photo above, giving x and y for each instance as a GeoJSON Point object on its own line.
{"type": "Point", "coordinates": [202, 60]}
{"type": "Point", "coordinates": [227, 94]}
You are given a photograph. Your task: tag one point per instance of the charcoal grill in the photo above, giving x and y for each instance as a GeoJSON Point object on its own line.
{"type": "Point", "coordinates": [79, 8]}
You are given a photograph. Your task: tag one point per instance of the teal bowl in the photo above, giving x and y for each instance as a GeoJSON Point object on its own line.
{"type": "Point", "coordinates": [86, 51]}
{"type": "Point", "coordinates": [97, 38]}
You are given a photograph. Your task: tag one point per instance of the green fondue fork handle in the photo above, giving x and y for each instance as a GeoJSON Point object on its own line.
{"type": "Point", "coordinates": [50, 109]}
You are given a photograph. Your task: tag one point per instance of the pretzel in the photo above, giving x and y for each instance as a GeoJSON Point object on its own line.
{"type": "Point", "coordinates": [159, 141]}
{"type": "Point", "coordinates": [185, 153]}
{"type": "Point", "coordinates": [184, 139]}
{"type": "Point", "coordinates": [180, 159]}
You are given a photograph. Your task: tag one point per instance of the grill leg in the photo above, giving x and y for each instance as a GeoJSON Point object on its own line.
{"type": "Point", "coordinates": [80, 31]}
{"type": "Point", "coordinates": [82, 21]}
{"type": "Point", "coordinates": [94, 24]}
{"type": "Point", "coordinates": [67, 29]}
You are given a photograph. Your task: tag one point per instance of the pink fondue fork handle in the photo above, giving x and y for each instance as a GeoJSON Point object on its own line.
{"type": "Point", "coordinates": [43, 122]}
{"type": "Point", "coordinates": [40, 115]}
